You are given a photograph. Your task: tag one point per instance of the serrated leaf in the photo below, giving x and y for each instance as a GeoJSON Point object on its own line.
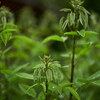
{"type": "Point", "coordinates": [52, 38]}
{"type": "Point", "coordinates": [74, 93]}
{"type": "Point", "coordinates": [25, 75]}
{"type": "Point", "coordinates": [65, 10]}
{"type": "Point", "coordinates": [61, 23]}
{"type": "Point", "coordinates": [24, 88]}
{"type": "Point", "coordinates": [81, 33]}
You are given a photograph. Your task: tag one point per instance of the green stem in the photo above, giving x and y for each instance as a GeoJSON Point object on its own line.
{"type": "Point", "coordinates": [46, 83]}
{"type": "Point", "coordinates": [72, 64]}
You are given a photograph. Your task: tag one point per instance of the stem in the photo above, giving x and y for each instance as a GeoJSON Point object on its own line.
{"type": "Point", "coordinates": [46, 83]}
{"type": "Point", "coordinates": [72, 64]}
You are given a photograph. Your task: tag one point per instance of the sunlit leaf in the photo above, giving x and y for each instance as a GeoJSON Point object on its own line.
{"type": "Point", "coordinates": [19, 68]}
{"type": "Point", "coordinates": [65, 10]}
{"type": "Point", "coordinates": [25, 75]}
{"type": "Point", "coordinates": [74, 93]}
{"type": "Point", "coordinates": [81, 33]}
{"type": "Point", "coordinates": [70, 33]}
{"type": "Point", "coordinates": [52, 38]}
{"type": "Point", "coordinates": [30, 92]}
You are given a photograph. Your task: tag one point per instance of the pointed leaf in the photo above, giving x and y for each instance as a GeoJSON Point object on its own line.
{"type": "Point", "coordinates": [74, 93]}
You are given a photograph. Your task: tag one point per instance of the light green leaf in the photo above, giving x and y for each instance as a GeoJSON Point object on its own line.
{"type": "Point", "coordinates": [6, 72]}
{"type": "Point", "coordinates": [97, 82]}
{"type": "Point", "coordinates": [24, 38]}
{"type": "Point", "coordinates": [70, 33]}
{"type": "Point", "coordinates": [83, 80]}
{"type": "Point", "coordinates": [25, 75]}
{"type": "Point", "coordinates": [4, 38]}
{"type": "Point", "coordinates": [19, 68]}
{"type": "Point", "coordinates": [53, 38]}
{"type": "Point", "coordinates": [24, 89]}
{"type": "Point", "coordinates": [82, 33]}
{"type": "Point", "coordinates": [41, 96]}
{"type": "Point", "coordinates": [10, 30]}
{"type": "Point", "coordinates": [74, 93]}
{"type": "Point", "coordinates": [65, 10]}
{"type": "Point", "coordinates": [91, 32]}
{"type": "Point", "coordinates": [97, 46]}
{"type": "Point", "coordinates": [95, 76]}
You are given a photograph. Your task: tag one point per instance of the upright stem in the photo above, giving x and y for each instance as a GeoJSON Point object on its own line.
{"type": "Point", "coordinates": [46, 83]}
{"type": "Point", "coordinates": [72, 63]}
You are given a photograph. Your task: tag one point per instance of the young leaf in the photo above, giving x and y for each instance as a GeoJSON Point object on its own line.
{"type": "Point", "coordinates": [52, 38]}
{"type": "Point", "coordinates": [95, 76]}
{"type": "Point", "coordinates": [19, 68]}
{"type": "Point", "coordinates": [65, 10]}
{"type": "Point", "coordinates": [82, 33]}
{"type": "Point", "coordinates": [41, 96]}
{"type": "Point", "coordinates": [75, 94]}
{"type": "Point", "coordinates": [24, 89]}
{"type": "Point", "coordinates": [4, 38]}
{"type": "Point", "coordinates": [70, 33]}
{"type": "Point", "coordinates": [6, 72]}
{"type": "Point", "coordinates": [91, 32]}
{"type": "Point", "coordinates": [25, 75]}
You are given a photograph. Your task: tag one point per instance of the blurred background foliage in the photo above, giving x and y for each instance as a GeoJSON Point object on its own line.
{"type": "Point", "coordinates": [37, 19]}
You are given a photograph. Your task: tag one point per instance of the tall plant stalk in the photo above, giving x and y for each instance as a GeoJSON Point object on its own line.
{"type": "Point", "coordinates": [46, 80]}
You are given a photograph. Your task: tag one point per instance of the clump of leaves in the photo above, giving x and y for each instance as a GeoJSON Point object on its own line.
{"type": "Point", "coordinates": [6, 25]}
{"type": "Point", "coordinates": [48, 68]}
{"type": "Point", "coordinates": [77, 16]}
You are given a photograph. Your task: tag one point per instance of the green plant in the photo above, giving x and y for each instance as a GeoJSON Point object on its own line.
{"type": "Point", "coordinates": [76, 22]}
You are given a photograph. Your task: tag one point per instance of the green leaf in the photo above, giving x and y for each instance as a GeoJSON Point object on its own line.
{"type": "Point", "coordinates": [19, 68]}
{"type": "Point", "coordinates": [25, 75]}
{"type": "Point", "coordinates": [82, 33]}
{"type": "Point", "coordinates": [97, 46]}
{"type": "Point", "coordinates": [70, 33]}
{"type": "Point", "coordinates": [6, 72]}
{"type": "Point", "coordinates": [5, 51]}
{"type": "Point", "coordinates": [10, 30]}
{"type": "Point", "coordinates": [30, 92]}
{"type": "Point", "coordinates": [41, 96]}
{"type": "Point", "coordinates": [52, 38]}
{"type": "Point", "coordinates": [91, 32]}
{"type": "Point", "coordinates": [65, 10]}
{"type": "Point", "coordinates": [4, 38]}
{"type": "Point", "coordinates": [24, 38]}
{"type": "Point", "coordinates": [95, 76]}
{"type": "Point", "coordinates": [83, 80]}
{"type": "Point", "coordinates": [74, 93]}
{"type": "Point", "coordinates": [97, 82]}
{"type": "Point", "coordinates": [61, 23]}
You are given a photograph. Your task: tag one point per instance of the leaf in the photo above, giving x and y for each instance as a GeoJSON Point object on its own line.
{"type": "Point", "coordinates": [83, 80]}
{"type": "Point", "coordinates": [97, 46]}
{"type": "Point", "coordinates": [97, 83]}
{"type": "Point", "coordinates": [74, 93]}
{"type": "Point", "coordinates": [52, 38]}
{"type": "Point", "coordinates": [6, 72]}
{"type": "Point", "coordinates": [70, 33]}
{"type": "Point", "coordinates": [24, 38]}
{"type": "Point", "coordinates": [25, 75]}
{"type": "Point", "coordinates": [24, 88]}
{"type": "Point", "coordinates": [82, 33]}
{"type": "Point", "coordinates": [91, 32]}
{"type": "Point", "coordinates": [4, 38]}
{"type": "Point", "coordinates": [10, 30]}
{"type": "Point", "coordinates": [19, 68]}
{"type": "Point", "coordinates": [41, 96]}
{"type": "Point", "coordinates": [65, 10]}
{"type": "Point", "coordinates": [95, 76]}
{"type": "Point", "coordinates": [61, 23]}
